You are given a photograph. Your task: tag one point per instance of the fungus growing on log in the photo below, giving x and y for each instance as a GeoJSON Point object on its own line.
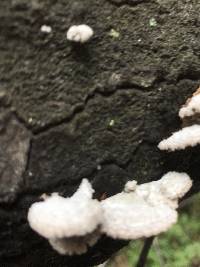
{"type": "Point", "coordinates": [79, 33]}
{"type": "Point", "coordinates": [46, 29]}
{"type": "Point", "coordinates": [70, 224]}
{"type": "Point", "coordinates": [148, 210]}
{"type": "Point", "coordinates": [73, 224]}
{"type": "Point", "coordinates": [189, 135]}
{"type": "Point", "coordinates": [192, 106]}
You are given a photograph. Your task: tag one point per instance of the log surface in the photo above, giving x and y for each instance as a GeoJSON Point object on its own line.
{"type": "Point", "coordinates": [97, 110]}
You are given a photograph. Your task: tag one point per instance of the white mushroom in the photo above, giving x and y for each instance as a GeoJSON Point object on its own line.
{"type": "Point", "coordinates": [147, 211]}
{"type": "Point", "coordinates": [188, 136]}
{"type": "Point", "coordinates": [79, 33]}
{"type": "Point", "coordinates": [175, 185]}
{"type": "Point", "coordinates": [129, 217]}
{"type": "Point", "coordinates": [130, 186]}
{"type": "Point", "coordinates": [192, 106]}
{"type": "Point", "coordinates": [46, 29]}
{"type": "Point", "coordinates": [73, 224]}
{"type": "Point", "coordinates": [65, 221]}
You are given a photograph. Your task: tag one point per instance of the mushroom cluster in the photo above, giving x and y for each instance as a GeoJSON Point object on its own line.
{"type": "Point", "coordinates": [189, 135]}
{"type": "Point", "coordinates": [73, 224]}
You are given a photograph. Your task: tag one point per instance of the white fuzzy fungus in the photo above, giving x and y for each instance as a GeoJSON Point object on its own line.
{"type": "Point", "coordinates": [79, 33]}
{"type": "Point", "coordinates": [130, 217]}
{"type": "Point", "coordinates": [61, 219]}
{"type": "Point", "coordinates": [46, 29]}
{"type": "Point", "coordinates": [130, 186]}
{"type": "Point", "coordinates": [73, 224]}
{"type": "Point", "coordinates": [175, 185]}
{"type": "Point", "coordinates": [191, 107]}
{"type": "Point", "coordinates": [147, 211]}
{"type": "Point", "coordinates": [188, 136]}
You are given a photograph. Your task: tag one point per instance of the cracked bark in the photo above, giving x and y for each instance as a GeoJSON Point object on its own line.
{"type": "Point", "coordinates": [120, 3]}
{"type": "Point", "coordinates": [64, 97]}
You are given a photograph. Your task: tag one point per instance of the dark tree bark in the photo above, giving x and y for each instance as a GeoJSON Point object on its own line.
{"type": "Point", "coordinates": [58, 99]}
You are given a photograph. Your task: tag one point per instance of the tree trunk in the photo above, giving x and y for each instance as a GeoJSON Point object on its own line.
{"type": "Point", "coordinates": [96, 110]}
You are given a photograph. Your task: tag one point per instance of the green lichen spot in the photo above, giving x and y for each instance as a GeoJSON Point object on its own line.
{"type": "Point", "coordinates": [113, 33]}
{"type": "Point", "coordinates": [111, 123]}
{"type": "Point", "coordinates": [152, 22]}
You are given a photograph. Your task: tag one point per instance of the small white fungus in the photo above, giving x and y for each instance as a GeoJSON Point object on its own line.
{"type": "Point", "coordinates": [79, 33]}
{"type": "Point", "coordinates": [62, 220]}
{"type": "Point", "coordinates": [186, 137]}
{"type": "Point", "coordinates": [130, 186]}
{"type": "Point", "coordinates": [147, 211]}
{"type": "Point", "coordinates": [191, 107]}
{"type": "Point", "coordinates": [46, 29]}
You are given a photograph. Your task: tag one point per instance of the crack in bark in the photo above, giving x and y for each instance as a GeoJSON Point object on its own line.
{"type": "Point", "coordinates": [126, 85]}
{"type": "Point", "coordinates": [127, 2]}
{"type": "Point", "coordinates": [27, 161]}
{"type": "Point", "coordinates": [77, 110]}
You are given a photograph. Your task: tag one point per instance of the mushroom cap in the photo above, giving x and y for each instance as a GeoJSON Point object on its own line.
{"type": "Point", "coordinates": [79, 33]}
{"type": "Point", "coordinates": [188, 136]}
{"type": "Point", "coordinates": [175, 185]}
{"type": "Point", "coordinates": [129, 216]}
{"type": "Point", "coordinates": [148, 210]}
{"type": "Point", "coordinates": [192, 106]}
{"type": "Point", "coordinates": [46, 29]}
{"type": "Point", "coordinates": [59, 217]}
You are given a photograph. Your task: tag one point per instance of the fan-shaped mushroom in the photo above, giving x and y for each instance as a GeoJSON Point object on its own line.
{"type": "Point", "coordinates": [70, 224]}
{"type": "Point", "coordinates": [147, 211]}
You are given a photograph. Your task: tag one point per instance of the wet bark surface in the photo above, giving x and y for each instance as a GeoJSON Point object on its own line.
{"type": "Point", "coordinates": [96, 110]}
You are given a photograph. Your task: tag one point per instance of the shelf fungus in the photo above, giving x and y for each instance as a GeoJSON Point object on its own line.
{"type": "Point", "coordinates": [73, 224]}
{"type": "Point", "coordinates": [70, 224]}
{"type": "Point", "coordinates": [192, 106]}
{"type": "Point", "coordinates": [146, 211]}
{"type": "Point", "coordinates": [79, 33]}
{"type": "Point", "coordinates": [189, 135]}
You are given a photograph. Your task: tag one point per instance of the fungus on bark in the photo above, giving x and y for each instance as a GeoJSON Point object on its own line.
{"type": "Point", "coordinates": [148, 210]}
{"type": "Point", "coordinates": [79, 33]}
{"type": "Point", "coordinates": [46, 29]}
{"type": "Point", "coordinates": [73, 224]}
{"type": "Point", "coordinates": [192, 106]}
{"type": "Point", "coordinates": [70, 224]}
{"type": "Point", "coordinates": [189, 135]}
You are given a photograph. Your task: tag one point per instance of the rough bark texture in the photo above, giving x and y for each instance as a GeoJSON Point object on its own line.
{"type": "Point", "coordinates": [96, 110]}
